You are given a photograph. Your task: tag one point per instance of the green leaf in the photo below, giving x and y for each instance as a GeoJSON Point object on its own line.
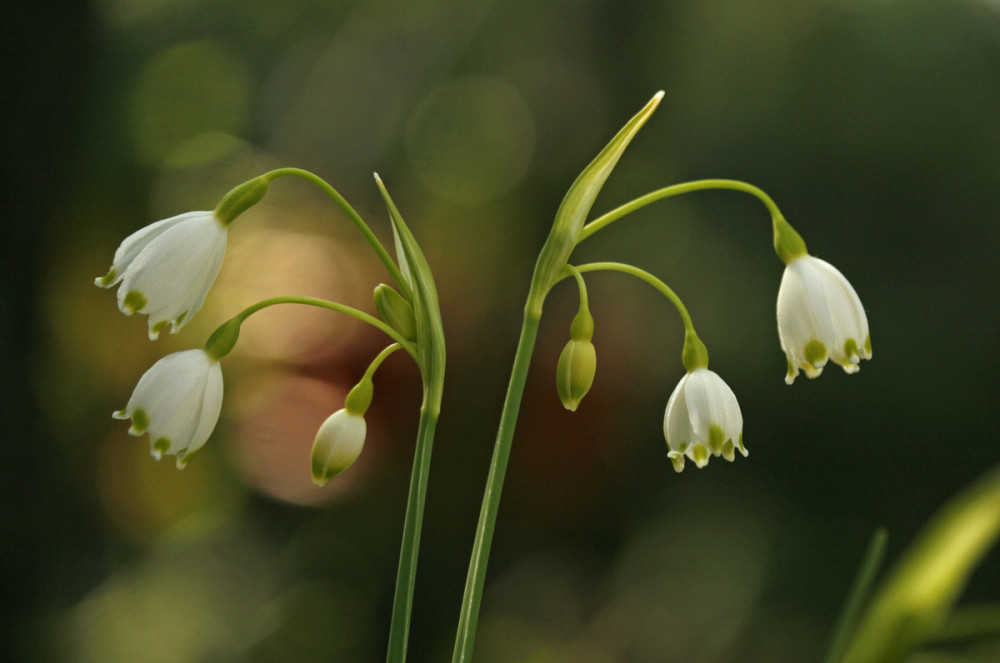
{"type": "Point", "coordinates": [915, 599]}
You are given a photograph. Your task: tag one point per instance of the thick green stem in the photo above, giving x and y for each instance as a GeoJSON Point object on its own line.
{"type": "Point", "coordinates": [402, 604]}
{"type": "Point", "coordinates": [473, 595]}
{"type": "Point", "coordinates": [676, 190]}
{"type": "Point", "coordinates": [355, 218]}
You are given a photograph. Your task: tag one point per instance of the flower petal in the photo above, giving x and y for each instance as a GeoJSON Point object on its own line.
{"type": "Point", "coordinates": [177, 402]}
{"type": "Point", "coordinates": [702, 419]}
{"type": "Point", "coordinates": [167, 268]}
{"type": "Point", "coordinates": [820, 317]}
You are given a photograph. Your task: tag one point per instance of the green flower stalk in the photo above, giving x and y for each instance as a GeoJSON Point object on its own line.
{"type": "Point", "coordinates": [568, 230]}
{"type": "Point", "coordinates": [819, 317]}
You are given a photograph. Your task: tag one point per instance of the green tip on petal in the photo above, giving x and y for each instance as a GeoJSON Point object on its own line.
{"type": "Point", "coordinates": [678, 460]}
{"type": "Point", "coordinates": [729, 450]}
{"type": "Point", "coordinates": [158, 327]}
{"type": "Point", "coordinates": [184, 458]}
{"type": "Point", "coordinates": [790, 375]}
{"type": "Point", "coordinates": [160, 447]}
{"type": "Point", "coordinates": [743, 449]}
{"type": "Point", "coordinates": [850, 348]}
{"type": "Point", "coordinates": [106, 280]}
{"type": "Point", "coordinates": [320, 474]}
{"type": "Point", "coordinates": [140, 420]}
{"type": "Point", "coordinates": [700, 454]}
{"type": "Point", "coordinates": [815, 352]}
{"type": "Point", "coordinates": [716, 439]}
{"type": "Point", "coordinates": [317, 473]}
{"type": "Point", "coordinates": [868, 344]}
{"type": "Point", "coordinates": [134, 301]}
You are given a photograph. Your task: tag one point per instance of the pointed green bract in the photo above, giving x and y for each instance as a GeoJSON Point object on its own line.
{"type": "Point", "coordinates": [575, 206]}
{"type": "Point", "coordinates": [426, 310]}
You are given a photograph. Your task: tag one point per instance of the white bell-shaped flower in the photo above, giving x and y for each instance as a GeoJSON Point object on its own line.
{"type": "Point", "coordinates": [177, 401]}
{"type": "Point", "coordinates": [338, 444]}
{"type": "Point", "coordinates": [820, 317]}
{"type": "Point", "coordinates": [167, 268]}
{"type": "Point", "coordinates": [702, 419]}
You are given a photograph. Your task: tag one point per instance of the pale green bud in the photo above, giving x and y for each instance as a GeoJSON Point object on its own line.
{"type": "Point", "coordinates": [395, 311]}
{"type": "Point", "coordinates": [575, 372]}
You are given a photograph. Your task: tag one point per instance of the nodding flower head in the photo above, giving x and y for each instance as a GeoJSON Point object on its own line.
{"type": "Point", "coordinates": [702, 419]}
{"type": "Point", "coordinates": [177, 401]}
{"type": "Point", "coordinates": [338, 444]}
{"type": "Point", "coordinates": [820, 317]}
{"type": "Point", "coordinates": [167, 268]}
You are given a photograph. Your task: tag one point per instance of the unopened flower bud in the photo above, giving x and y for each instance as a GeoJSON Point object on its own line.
{"type": "Point", "coordinates": [575, 372]}
{"type": "Point", "coordinates": [395, 311]}
{"type": "Point", "coordinates": [338, 444]}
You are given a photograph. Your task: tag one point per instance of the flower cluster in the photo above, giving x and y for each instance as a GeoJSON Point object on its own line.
{"type": "Point", "coordinates": [166, 270]}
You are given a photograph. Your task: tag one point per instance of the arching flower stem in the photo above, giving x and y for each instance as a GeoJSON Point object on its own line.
{"type": "Point", "coordinates": [355, 218]}
{"type": "Point", "coordinates": [333, 306]}
{"type": "Point", "coordinates": [676, 190]}
{"type": "Point", "coordinates": [694, 354]}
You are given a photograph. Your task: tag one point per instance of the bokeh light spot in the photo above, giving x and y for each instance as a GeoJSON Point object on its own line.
{"type": "Point", "coordinates": [185, 91]}
{"type": "Point", "coordinates": [471, 139]}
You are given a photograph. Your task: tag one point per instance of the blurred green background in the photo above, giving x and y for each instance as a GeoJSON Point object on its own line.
{"type": "Point", "coordinates": [875, 125]}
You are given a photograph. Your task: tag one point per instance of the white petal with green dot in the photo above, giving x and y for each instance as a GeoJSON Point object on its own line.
{"type": "Point", "coordinates": [702, 419]}
{"type": "Point", "coordinates": [167, 268]}
{"type": "Point", "coordinates": [820, 318]}
{"type": "Point", "coordinates": [177, 402]}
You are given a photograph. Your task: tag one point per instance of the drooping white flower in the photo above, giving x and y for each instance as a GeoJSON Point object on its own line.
{"type": "Point", "coordinates": [702, 419]}
{"type": "Point", "coordinates": [167, 268]}
{"type": "Point", "coordinates": [338, 444]}
{"type": "Point", "coordinates": [820, 317]}
{"type": "Point", "coordinates": [177, 401]}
